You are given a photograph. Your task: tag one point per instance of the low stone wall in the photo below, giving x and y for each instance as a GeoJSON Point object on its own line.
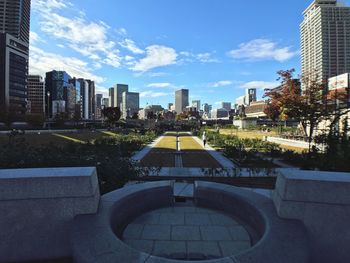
{"type": "Point", "coordinates": [37, 208]}
{"type": "Point", "coordinates": [321, 200]}
{"type": "Point", "coordinates": [274, 239]}
{"type": "Point", "coordinates": [97, 238]}
{"type": "Point", "coordinates": [288, 142]}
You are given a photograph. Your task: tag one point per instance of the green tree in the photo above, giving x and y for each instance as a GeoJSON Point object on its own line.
{"type": "Point", "coordinates": [112, 115]}
{"type": "Point", "coordinates": [35, 120]}
{"type": "Point", "coordinates": [310, 105]}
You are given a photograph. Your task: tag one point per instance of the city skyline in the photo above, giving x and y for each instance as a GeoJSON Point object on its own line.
{"type": "Point", "coordinates": [215, 59]}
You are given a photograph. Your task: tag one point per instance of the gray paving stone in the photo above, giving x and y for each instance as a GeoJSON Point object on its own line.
{"type": "Point", "coordinates": [141, 245]}
{"type": "Point", "coordinates": [184, 209]}
{"type": "Point", "coordinates": [156, 232]}
{"type": "Point", "coordinates": [169, 247]}
{"type": "Point", "coordinates": [205, 210]}
{"type": "Point", "coordinates": [197, 219]}
{"type": "Point", "coordinates": [165, 210]}
{"type": "Point", "coordinates": [151, 218]}
{"type": "Point", "coordinates": [222, 220]}
{"type": "Point", "coordinates": [204, 247]}
{"type": "Point", "coordinates": [215, 233]}
{"type": "Point", "coordinates": [133, 231]}
{"type": "Point", "coordinates": [238, 233]}
{"type": "Point", "coordinates": [172, 219]}
{"type": "Point", "coordinates": [230, 248]}
{"type": "Point", "coordinates": [185, 233]}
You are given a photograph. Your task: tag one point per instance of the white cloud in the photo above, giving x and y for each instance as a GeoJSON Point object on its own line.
{"type": "Point", "coordinates": [122, 31]}
{"type": "Point", "coordinates": [35, 38]}
{"type": "Point", "coordinates": [102, 90]}
{"type": "Point", "coordinates": [260, 85]}
{"type": "Point", "coordinates": [157, 56]}
{"type": "Point", "coordinates": [151, 94]}
{"type": "Point", "coordinates": [201, 57]}
{"type": "Point", "coordinates": [221, 83]}
{"type": "Point", "coordinates": [90, 39]}
{"type": "Point", "coordinates": [131, 46]}
{"type": "Point", "coordinates": [41, 62]}
{"type": "Point", "coordinates": [41, 5]}
{"type": "Point", "coordinates": [157, 74]}
{"type": "Point", "coordinates": [206, 58]}
{"type": "Point", "coordinates": [159, 85]}
{"type": "Point", "coordinates": [262, 49]}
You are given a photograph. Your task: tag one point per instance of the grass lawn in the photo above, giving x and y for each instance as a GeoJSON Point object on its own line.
{"type": "Point", "coordinates": [193, 153]}
{"type": "Point", "coordinates": [199, 159]}
{"type": "Point", "coordinates": [55, 138]}
{"type": "Point", "coordinates": [154, 159]}
{"type": "Point", "coordinates": [246, 134]}
{"type": "Point", "coordinates": [167, 143]}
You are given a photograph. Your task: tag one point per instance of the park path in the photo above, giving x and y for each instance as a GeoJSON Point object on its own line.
{"type": "Point", "coordinates": [182, 150]}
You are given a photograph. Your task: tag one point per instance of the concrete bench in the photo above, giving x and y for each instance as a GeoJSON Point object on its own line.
{"type": "Point", "coordinates": [274, 239]}
{"type": "Point", "coordinates": [37, 207]}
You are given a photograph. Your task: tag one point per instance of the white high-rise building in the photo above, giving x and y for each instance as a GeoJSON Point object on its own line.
{"type": "Point", "coordinates": [325, 39]}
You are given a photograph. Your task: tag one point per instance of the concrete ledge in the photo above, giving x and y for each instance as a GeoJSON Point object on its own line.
{"type": "Point", "coordinates": [314, 186]}
{"type": "Point", "coordinates": [17, 184]}
{"type": "Point", "coordinates": [274, 239]}
{"type": "Point", "coordinates": [321, 200]}
{"type": "Point", "coordinates": [37, 207]}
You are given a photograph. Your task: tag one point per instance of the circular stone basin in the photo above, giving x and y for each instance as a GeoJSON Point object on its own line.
{"type": "Point", "coordinates": [187, 232]}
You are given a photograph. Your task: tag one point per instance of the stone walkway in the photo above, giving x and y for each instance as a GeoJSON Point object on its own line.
{"type": "Point", "coordinates": [187, 232]}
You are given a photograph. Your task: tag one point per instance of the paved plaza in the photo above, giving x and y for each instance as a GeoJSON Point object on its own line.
{"type": "Point", "coordinates": [187, 232]}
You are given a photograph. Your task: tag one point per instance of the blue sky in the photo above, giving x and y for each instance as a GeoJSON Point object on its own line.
{"type": "Point", "coordinates": [214, 48]}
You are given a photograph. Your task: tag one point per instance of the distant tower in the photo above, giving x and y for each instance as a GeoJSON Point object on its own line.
{"type": "Point", "coordinates": [36, 94]}
{"type": "Point", "coordinates": [181, 100]}
{"type": "Point", "coordinates": [119, 89]}
{"type": "Point", "coordinates": [325, 39]}
{"type": "Point", "coordinates": [250, 96]}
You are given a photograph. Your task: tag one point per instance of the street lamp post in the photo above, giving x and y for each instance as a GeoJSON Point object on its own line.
{"type": "Point", "coordinates": [48, 108]}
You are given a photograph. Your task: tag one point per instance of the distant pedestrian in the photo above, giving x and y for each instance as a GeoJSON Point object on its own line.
{"type": "Point", "coordinates": [204, 138]}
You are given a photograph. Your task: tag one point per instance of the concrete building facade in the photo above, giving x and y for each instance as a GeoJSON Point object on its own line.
{"type": "Point", "coordinates": [181, 100]}
{"type": "Point", "coordinates": [15, 18]}
{"type": "Point", "coordinates": [130, 104]}
{"type": "Point", "coordinates": [36, 94]}
{"type": "Point", "coordinates": [325, 38]}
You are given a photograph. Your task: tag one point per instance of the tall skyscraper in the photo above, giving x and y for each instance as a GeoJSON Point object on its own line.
{"type": "Point", "coordinates": [111, 98]}
{"type": "Point", "coordinates": [130, 104]}
{"type": "Point", "coordinates": [226, 105]}
{"type": "Point", "coordinates": [196, 104]}
{"type": "Point", "coordinates": [36, 94]}
{"type": "Point", "coordinates": [99, 98]}
{"type": "Point", "coordinates": [105, 102]}
{"type": "Point", "coordinates": [56, 83]}
{"type": "Point", "coordinates": [13, 74]}
{"type": "Point", "coordinates": [88, 100]}
{"type": "Point", "coordinates": [325, 39]}
{"type": "Point", "coordinates": [14, 51]}
{"type": "Point", "coordinates": [91, 100]}
{"type": "Point", "coordinates": [181, 100]}
{"type": "Point", "coordinates": [15, 18]}
{"type": "Point", "coordinates": [119, 89]}
{"type": "Point", "coordinates": [250, 96]}
{"type": "Point", "coordinates": [78, 112]}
